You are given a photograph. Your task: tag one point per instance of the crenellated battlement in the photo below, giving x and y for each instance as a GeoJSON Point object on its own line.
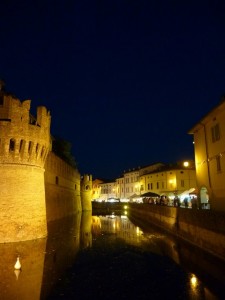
{"type": "Point", "coordinates": [36, 185]}
{"type": "Point", "coordinates": [24, 139]}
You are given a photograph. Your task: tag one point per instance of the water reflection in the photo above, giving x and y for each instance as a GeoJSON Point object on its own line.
{"type": "Point", "coordinates": [44, 262]}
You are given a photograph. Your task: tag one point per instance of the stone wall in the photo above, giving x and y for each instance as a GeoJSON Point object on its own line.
{"type": "Point", "coordinates": [24, 146]}
{"type": "Point", "coordinates": [22, 209]}
{"type": "Point", "coordinates": [203, 228]}
{"type": "Point", "coordinates": [62, 188]}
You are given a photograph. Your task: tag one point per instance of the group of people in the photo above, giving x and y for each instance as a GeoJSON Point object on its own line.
{"type": "Point", "coordinates": [176, 202]}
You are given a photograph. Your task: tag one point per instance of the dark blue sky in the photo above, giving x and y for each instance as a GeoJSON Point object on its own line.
{"type": "Point", "coordinates": [124, 80]}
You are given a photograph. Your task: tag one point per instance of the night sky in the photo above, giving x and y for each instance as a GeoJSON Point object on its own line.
{"type": "Point", "coordinates": [124, 80]}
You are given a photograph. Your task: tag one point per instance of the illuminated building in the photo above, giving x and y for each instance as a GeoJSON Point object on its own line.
{"type": "Point", "coordinates": [209, 147]}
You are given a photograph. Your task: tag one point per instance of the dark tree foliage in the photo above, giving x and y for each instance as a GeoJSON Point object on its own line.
{"type": "Point", "coordinates": [62, 149]}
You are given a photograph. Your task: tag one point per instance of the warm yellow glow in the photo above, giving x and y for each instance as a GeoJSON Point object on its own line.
{"type": "Point", "coordinates": [138, 231]}
{"type": "Point", "coordinates": [125, 213]}
{"type": "Point", "coordinates": [186, 164]}
{"type": "Point", "coordinates": [171, 181]}
{"type": "Point", "coordinates": [193, 281]}
{"type": "Point", "coordinates": [125, 206]}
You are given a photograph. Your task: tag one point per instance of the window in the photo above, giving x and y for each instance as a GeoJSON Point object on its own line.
{"type": "Point", "coordinates": [157, 185]}
{"type": "Point", "coordinates": [57, 180]}
{"type": "Point", "coordinates": [148, 186]}
{"type": "Point", "coordinates": [215, 130]}
{"type": "Point", "coordinates": [37, 148]}
{"type": "Point", "coordinates": [1, 99]}
{"type": "Point", "coordinates": [22, 143]}
{"type": "Point", "coordinates": [218, 163]}
{"type": "Point", "coordinates": [163, 185]}
{"type": "Point", "coordinates": [42, 151]}
{"type": "Point", "coordinates": [182, 183]}
{"type": "Point", "coordinates": [151, 186]}
{"type": "Point", "coordinates": [30, 145]}
{"type": "Point", "coordinates": [12, 145]}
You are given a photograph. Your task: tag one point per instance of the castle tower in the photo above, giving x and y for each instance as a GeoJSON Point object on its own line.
{"type": "Point", "coordinates": [86, 192]}
{"type": "Point", "coordinates": [24, 146]}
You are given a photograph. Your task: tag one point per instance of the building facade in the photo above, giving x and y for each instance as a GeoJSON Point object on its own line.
{"type": "Point", "coordinates": [169, 180]}
{"type": "Point", "coordinates": [209, 147]}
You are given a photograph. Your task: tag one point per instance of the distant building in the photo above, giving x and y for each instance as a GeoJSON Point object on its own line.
{"type": "Point", "coordinates": [103, 190]}
{"type": "Point", "coordinates": [170, 180]}
{"type": "Point", "coordinates": [96, 189]}
{"type": "Point", "coordinates": [209, 145]}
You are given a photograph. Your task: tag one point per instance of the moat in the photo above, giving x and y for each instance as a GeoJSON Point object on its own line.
{"type": "Point", "coordinates": [108, 257]}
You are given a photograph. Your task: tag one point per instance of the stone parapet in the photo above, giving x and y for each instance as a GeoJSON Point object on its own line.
{"type": "Point", "coordinates": [202, 228]}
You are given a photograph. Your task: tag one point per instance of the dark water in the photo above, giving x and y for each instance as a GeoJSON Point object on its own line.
{"type": "Point", "coordinates": [108, 257]}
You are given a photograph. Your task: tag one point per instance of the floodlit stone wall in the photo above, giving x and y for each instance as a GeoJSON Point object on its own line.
{"type": "Point", "coordinates": [36, 186]}
{"type": "Point", "coordinates": [62, 188]}
{"type": "Point", "coordinates": [24, 146]}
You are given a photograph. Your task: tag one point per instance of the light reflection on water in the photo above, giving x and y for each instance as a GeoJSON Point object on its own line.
{"type": "Point", "coordinates": [46, 261]}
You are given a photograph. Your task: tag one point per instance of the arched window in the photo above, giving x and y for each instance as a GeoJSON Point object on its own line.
{"type": "Point", "coordinates": [87, 187]}
{"type": "Point", "coordinates": [75, 186]}
{"type": "Point", "coordinates": [57, 180]}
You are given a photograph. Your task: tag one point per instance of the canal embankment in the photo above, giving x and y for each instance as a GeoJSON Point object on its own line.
{"type": "Point", "coordinates": [202, 228]}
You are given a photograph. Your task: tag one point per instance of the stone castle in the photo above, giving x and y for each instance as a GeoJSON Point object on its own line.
{"type": "Point", "coordinates": [36, 185]}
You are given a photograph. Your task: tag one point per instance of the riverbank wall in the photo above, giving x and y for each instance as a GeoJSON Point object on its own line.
{"type": "Point", "coordinates": [202, 228]}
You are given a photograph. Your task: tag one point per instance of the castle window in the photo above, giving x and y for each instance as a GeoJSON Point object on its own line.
{"type": "Point", "coordinates": [11, 145]}
{"type": "Point", "coordinates": [42, 151]}
{"type": "Point", "coordinates": [57, 180]}
{"type": "Point", "coordinates": [87, 187]}
{"type": "Point", "coordinates": [37, 148]}
{"type": "Point", "coordinates": [75, 187]}
{"type": "Point", "coordinates": [30, 146]}
{"type": "Point", "coordinates": [22, 143]}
